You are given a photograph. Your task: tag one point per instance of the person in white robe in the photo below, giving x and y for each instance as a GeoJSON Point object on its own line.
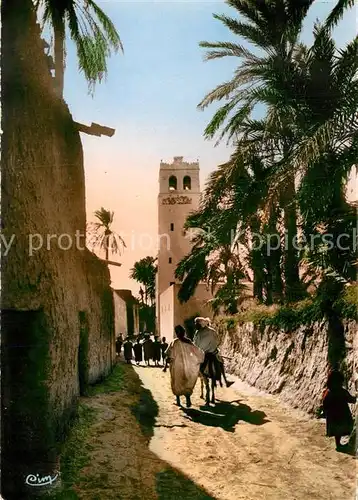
{"type": "Point", "coordinates": [185, 360]}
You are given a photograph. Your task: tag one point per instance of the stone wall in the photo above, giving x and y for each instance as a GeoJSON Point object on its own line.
{"type": "Point", "coordinates": [292, 365]}
{"type": "Point", "coordinates": [57, 305]}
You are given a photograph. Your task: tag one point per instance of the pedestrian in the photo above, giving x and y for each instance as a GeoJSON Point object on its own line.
{"type": "Point", "coordinates": [148, 350]}
{"type": "Point", "coordinates": [119, 343]}
{"type": "Point", "coordinates": [185, 360]}
{"type": "Point", "coordinates": [128, 350]}
{"type": "Point", "coordinates": [164, 347]}
{"type": "Point", "coordinates": [157, 351]}
{"type": "Point", "coordinates": [206, 339]}
{"type": "Point", "coordinates": [138, 351]}
{"type": "Point", "coordinates": [339, 420]}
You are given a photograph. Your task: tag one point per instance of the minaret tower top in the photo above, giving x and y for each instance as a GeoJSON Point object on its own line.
{"type": "Point", "coordinates": [179, 177]}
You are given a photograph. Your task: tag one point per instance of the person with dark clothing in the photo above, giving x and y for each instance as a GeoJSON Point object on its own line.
{"type": "Point", "coordinates": [157, 351]}
{"type": "Point", "coordinates": [148, 350]}
{"type": "Point", "coordinates": [119, 343]}
{"type": "Point", "coordinates": [164, 347]}
{"type": "Point", "coordinates": [128, 350]}
{"type": "Point", "coordinates": [138, 351]}
{"type": "Point", "coordinates": [339, 420]}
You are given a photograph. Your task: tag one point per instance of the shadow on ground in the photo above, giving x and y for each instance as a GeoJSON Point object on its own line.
{"type": "Point", "coordinates": [226, 415]}
{"type": "Point", "coordinates": [171, 484]}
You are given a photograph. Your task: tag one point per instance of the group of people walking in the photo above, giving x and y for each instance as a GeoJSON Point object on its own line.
{"type": "Point", "coordinates": [143, 348]}
{"type": "Point", "coordinates": [190, 359]}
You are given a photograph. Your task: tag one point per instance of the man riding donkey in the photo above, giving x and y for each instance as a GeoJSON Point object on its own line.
{"type": "Point", "coordinates": [213, 367]}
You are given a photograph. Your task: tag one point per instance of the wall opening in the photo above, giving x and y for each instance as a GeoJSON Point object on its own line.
{"type": "Point", "coordinates": [172, 226]}
{"type": "Point", "coordinates": [28, 426]}
{"type": "Point", "coordinates": [173, 183]}
{"type": "Point", "coordinates": [170, 260]}
{"type": "Point", "coordinates": [187, 183]}
{"type": "Point", "coordinates": [83, 365]}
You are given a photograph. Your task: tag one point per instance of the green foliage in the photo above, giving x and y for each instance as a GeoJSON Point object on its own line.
{"type": "Point", "coordinates": [75, 453]}
{"type": "Point", "coordinates": [113, 383]}
{"type": "Point", "coordinates": [301, 313]}
{"type": "Point", "coordinates": [144, 271]}
{"type": "Point", "coordinates": [290, 318]}
{"type": "Point", "coordinates": [347, 304]}
{"type": "Point", "coordinates": [146, 317]}
{"type": "Point", "coordinates": [91, 30]}
{"type": "Point", "coordinates": [102, 236]}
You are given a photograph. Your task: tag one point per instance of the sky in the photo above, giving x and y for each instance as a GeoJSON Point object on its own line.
{"type": "Point", "coordinates": [150, 98]}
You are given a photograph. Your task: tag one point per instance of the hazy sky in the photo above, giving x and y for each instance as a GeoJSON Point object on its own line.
{"type": "Point", "coordinates": [150, 98]}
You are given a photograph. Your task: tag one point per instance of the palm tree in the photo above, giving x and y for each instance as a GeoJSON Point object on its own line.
{"type": "Point", "coordinates": [102, 236]}
{"type": "Point", "coordinates": [263, 77]}
{"type": "Point", "coordinates": [144, 271]}
{"type": "Point", "coordinates": [91, 30]}
{"type": "Point", "coordinates": [332, 78]}
{"type": "Point", "coordinates": [310, 127]}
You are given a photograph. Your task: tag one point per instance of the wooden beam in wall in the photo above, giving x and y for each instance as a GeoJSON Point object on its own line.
{"type": "Point", "coordinates": [111, 262]}
{"type": "Point", "coordinates": [95, 129]}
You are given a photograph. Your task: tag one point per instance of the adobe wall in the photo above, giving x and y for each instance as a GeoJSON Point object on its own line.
{"type": "Point", "coordinates": [120, 315]}
{"type": "Point", "coordinates": [58, 329]}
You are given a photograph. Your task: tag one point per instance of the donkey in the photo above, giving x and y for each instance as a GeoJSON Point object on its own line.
{"type": "Point", "coordinates": [203, 381]}
{"type": "Point", "coordinates": [208, 378]}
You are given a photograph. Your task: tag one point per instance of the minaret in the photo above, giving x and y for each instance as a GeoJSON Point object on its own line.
{"type": "Point", "coordinates": [179, 195]}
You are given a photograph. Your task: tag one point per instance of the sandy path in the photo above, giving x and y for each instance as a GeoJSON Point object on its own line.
{"type": "Point", "coordinates": [249, 446]}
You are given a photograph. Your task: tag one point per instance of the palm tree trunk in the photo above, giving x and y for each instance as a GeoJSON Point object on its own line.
{"type": "Point", "coordinates": [275, 262]}
{"type": "Point", "coordinates": [107, 235]}
{"type": "Point", "coordinates": [293, 288]}
{"type": "Point", "coordinates": [59, 36]}
{"type": "Point", "coordinates": [257, 263]}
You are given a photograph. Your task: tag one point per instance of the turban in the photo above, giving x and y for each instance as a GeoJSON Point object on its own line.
{"type": "Point", "coordinates": [203, 321]}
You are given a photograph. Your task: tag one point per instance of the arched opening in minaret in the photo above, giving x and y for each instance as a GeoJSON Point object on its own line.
{"type": "Point", "coordinates": [173, 183]}
{"type": "Point", "coordinates": [187, 183]}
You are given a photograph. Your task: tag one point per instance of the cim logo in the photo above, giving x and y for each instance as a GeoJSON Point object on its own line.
{"type": "Point", "coordinates": [37, 480]}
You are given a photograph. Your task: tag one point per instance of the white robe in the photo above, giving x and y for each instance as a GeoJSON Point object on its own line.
{"type": "Point", "coordinates": [185, 361]}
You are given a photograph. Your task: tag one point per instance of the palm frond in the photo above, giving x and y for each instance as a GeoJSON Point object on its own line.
{"type": "Point", "coordinates": [337, 12]}
{"type": "Point", "coordinates": [226, 49]}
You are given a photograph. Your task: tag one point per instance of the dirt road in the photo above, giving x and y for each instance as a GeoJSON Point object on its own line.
{"type": "Point", "coordinates": [246, 447]}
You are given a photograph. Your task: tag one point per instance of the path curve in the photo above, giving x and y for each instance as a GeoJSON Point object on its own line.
{"type": "Point", "coordinates": [249, 446]}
